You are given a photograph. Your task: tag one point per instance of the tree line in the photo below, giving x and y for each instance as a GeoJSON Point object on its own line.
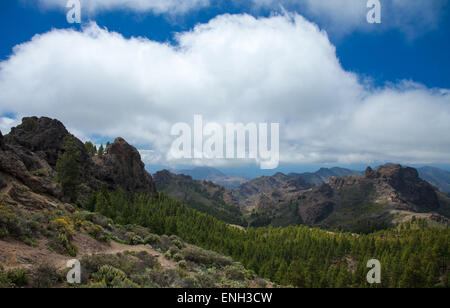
{"type": "Point", "coordinates": [412, 254]}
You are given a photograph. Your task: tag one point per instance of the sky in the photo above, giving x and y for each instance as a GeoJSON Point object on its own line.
{"type": "Point", "coordinates": [345, 92]}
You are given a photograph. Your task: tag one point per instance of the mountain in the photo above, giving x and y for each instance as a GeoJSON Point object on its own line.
{"type": "Point", "coordinates": [31, 150]}
{"type": "Point", "coordinates": [266, 200]}
{"type": "Point", "coordinates": [204, 196]}
{"type": "Point", "coordinates": [203, 173]}
{"type": "Point", "coordinates": [321, 176]}
{"type": "Point", "coordinates": [276, 186]}
{"type": "Point", "coordinates": [362, 203]}
{"type": "Point", "coordinates": [126, 235]}
{"type": "Point", "coordinates": [357, 203]}
{"type": "Point", "coordinates": [214, 175]}
{"type": "Point", "coordinates": [40, 231]}
{"type": "Point", "coordinates": [437, 177]}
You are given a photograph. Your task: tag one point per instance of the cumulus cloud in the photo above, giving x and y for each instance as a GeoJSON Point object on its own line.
{"type": "Point", "coordinates": [174, 7]}
{"type": "Point", "coordinates": [235, 68]}
{"type": "Point", "coordinates": [344, 16]}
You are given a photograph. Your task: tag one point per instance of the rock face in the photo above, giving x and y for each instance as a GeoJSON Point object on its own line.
{"type": "Point", "coordinates": [368, 199]}
{"type": "Point", "coordinates": [278, 185]}
{"type": "Point", "coordinates": [122, 166]}
{"type": "Point", "coordinates": [30, 152]}
{"type": "Point", "coordinates": [408, 187]}
{"type": "Point", "coordinates": [204, 196]}
{"type": "Point", "coordinates": [43, 136]}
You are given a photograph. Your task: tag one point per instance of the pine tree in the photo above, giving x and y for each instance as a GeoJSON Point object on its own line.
{"type": "Point", "coordinates": [68, 170]}
{"type": "Point", "coordinates": [101, 150]}
{"type": "Point", "coordinates": [90, 148]}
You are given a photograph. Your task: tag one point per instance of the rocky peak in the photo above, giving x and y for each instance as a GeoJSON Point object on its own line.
{"type": "Point", "coordinates": [122, 166]}
{"type": "Point", "coordinates": [41, 135]}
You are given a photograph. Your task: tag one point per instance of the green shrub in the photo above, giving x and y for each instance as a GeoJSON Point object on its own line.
{"type": "Point", "coordinates": [234, 272]}
{"type": "Point", "coordinates": [206, 257]}
{"type": "Point", "coordinates": [182, 264]}
{"type": "Point", "coordinates": [12, 224]}
{"type": "Point", "coordinates": [178, 244]}
{"type": "Point", "coordinates": [98, 233]}
{"type": "Point", "coordinates": [152, 239]}
{"type": "Point", "coordinates": [46, 276]}
{"type": "Point", "coordinates": [4, 281]}
{"type": "Point", "coordinates": [109, 275]}
{"type": "Point", "coordinates": [134, 239]}
{"type": "Point", "coordinates": [18, 277]}
{"type": "Point", "coordinates": [168, 255]}
{"type": "Point", "coordinates": [177, 257]}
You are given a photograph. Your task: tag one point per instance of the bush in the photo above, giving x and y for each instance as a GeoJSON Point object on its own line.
{"type": "Point", "coordinates": [144, 280]}
{"type": "Point", "coordinates": [46, 276]}
{"type": "Point", "coordinates": [177, 257]}
{"type": "Point", "coordinates": [12, 224]}
{"type": "Point", "coordinates": [178, 244]}
{"type": "Point", "coordinates": [134, 239]}
{"type": "Point", "coordinates": [18, 277]}
{"type": "Point", "coordinates": [98, 233]}
{"type": "Point", "coordinates": [182, 264]}
{"type": "Point", "coordinates": [164, 243]}
{"type": "Point", "coordinates": [206, 257]}
{"type": "Point", "coordinates": [152, 239]}
{"type": "Point", "coordinates": [236, 273]}
{"type": "Point", "coordinates": [109, 275]}
{"type": "Point", "coordinates": [168, 255]}
{"type": "Point", "coordinates": [4, 281]}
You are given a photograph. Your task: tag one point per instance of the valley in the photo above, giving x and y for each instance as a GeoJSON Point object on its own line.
{"type": "Point", "coordinates": [129, 229]}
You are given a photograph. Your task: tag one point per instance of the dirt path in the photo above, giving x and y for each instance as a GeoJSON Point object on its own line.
{"type": "Point", "coordinates": [14, 254]}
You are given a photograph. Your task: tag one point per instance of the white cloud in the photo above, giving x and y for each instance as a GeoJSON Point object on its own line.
{"type": "Point", "coordinates": [6, 123]}
{"type": "Point", "coordinates": [344, 16]}
{"type": "Point", "coordinates": [236, 68]}
{"type": "Point", "coordinates": [156, 6]}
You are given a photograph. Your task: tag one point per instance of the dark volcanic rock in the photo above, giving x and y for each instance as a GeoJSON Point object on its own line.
{"type": "Point", "coordinates": [406, 182]}
{"type": "Point", "coordinates": [122, 166]}
{"type": "Point", "coordinates": [2, 142]}
{"type": "Point", "coordinates": [30, 152]}
{"type": "Point", "coordinates": [43, 136]}
{"type": "Point", "coordinates": [316, 204]}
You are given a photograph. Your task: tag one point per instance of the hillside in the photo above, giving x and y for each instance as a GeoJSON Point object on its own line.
{"type": "Point", "coordinates": [126, 234]}
{"type": "Point", "coordinates": [437, 177]}
{"type": "Point", "coordinates": [323, 174]}
{"type": "Point", "coordinates": [42, 227]}
{"type": "Point", "coordinates": [215, 176]}
{"type": "Point", "coordinates": [203, 196]}
{"type": "Point", "coordinates": [357, 203]}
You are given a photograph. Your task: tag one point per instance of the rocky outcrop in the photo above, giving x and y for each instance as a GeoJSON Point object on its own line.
{"type": "Point", "coordinates": [30, 151]}
{"type": "Point", "coordinates": [405, 186]}
{"type": "Point", "coordinates": [316, 204]}
{"type": "Point", "coordinates": [122, 166]}
{"type": "Point", "coordinates": [43, 136]}
{"type": "Point", "coordinates": [280, 186]}
{"type": "Point", "coordinates": [204, 196]}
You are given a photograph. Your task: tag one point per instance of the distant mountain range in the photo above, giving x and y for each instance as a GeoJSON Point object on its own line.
{"type": "Point", "coordinates": [437, 177]}
{"type": "Point", "coordinates": [356, 202]}
{"type": "Point", "coordinates": [330, 198]}
{"type": "Point", "coordinates": [204, 196]}
{"type": "Point", "coordinates": [214, 175]}
{"type": "Point", "coordinates": [321, 176]}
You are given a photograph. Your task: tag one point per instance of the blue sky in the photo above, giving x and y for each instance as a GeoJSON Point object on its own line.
{"type": "Point", "coordinates": [386, 56]}
{"type": "Point", "coordinates": [405, 57]}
